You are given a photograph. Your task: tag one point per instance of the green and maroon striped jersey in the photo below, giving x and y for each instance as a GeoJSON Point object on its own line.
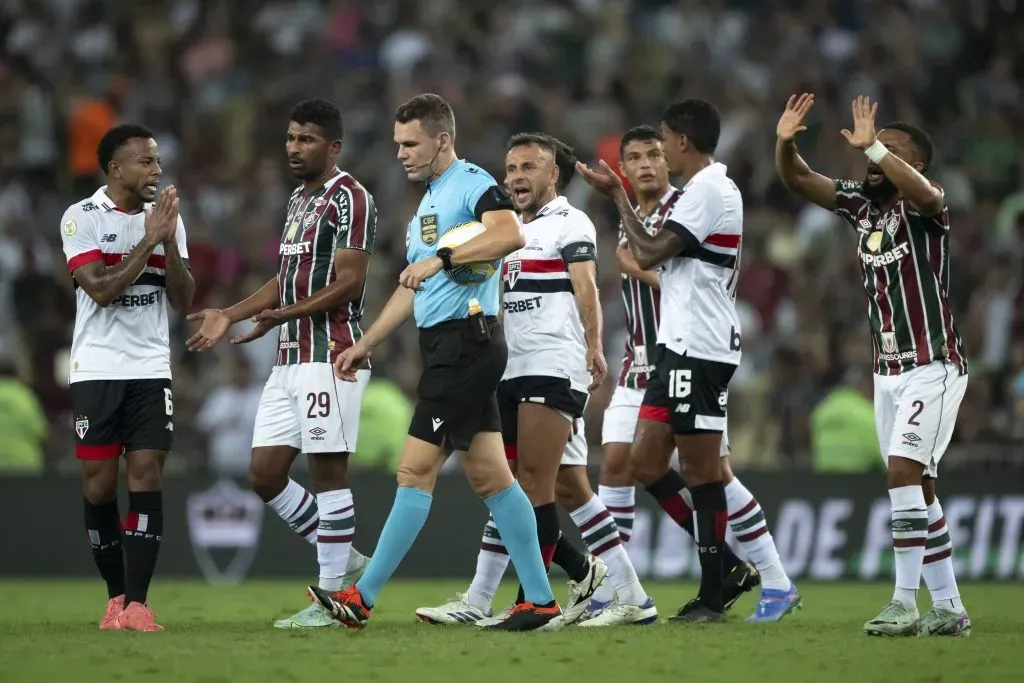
{"type": "Point", "coordinates": [643, 311]}
{"type": "Point", "coordinates": [904, 257]}
{"type": "Point", "coordinates": [339, 215]}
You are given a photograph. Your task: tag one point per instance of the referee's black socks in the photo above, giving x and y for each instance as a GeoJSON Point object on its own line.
{"type": "Point", "coordinates": [142, 536]}
{"type": "Point", "coordinates": [103, 526]}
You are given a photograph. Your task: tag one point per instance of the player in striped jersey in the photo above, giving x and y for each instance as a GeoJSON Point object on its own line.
{"type": "Point", "coordinates": [644, 166]}
{"type": "Point", "coordinates": [317, 300]}
{"type": "Point", "coordinates": [902, 228]}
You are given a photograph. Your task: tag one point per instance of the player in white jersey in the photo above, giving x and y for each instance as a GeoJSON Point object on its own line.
{"type": "Point", "coordinates": [553, 323]}
{"type": "Point", "coordinates": [642, 162]}
{"type": "Point", "coordinates": [698, 350]}
{"type": "Point", "coordinates": [129, 260]}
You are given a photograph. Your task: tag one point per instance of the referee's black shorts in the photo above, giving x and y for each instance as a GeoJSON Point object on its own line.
{"type": "Point", "coordinates": [456, 392]}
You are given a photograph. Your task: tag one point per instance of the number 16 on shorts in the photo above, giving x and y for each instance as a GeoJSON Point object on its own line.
{"type": "Point", "coordinates": [697, 393]}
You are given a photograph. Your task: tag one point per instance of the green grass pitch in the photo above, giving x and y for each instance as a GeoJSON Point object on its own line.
{"type": "Point", "coordinates": [223, 635]}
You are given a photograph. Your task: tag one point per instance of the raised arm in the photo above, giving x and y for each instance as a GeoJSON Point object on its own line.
{"type": "Point", "coordinates": [796, 175]}
{"type": "Point", "coordinates": [105, 283]}
{"type": "Point", "coordinates": [922, 194]}
{"type": "Point", "coordinates": [648, 250]}
{"type": "Point", "coordinates": [628, 266]}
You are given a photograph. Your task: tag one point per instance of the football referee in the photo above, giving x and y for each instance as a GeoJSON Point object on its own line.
{"type": "Point", "coordinates": [462, 348]}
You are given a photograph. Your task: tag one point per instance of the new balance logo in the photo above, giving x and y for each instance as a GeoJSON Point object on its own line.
{"type": "Point", "coordinates": [108, 238]}
{"type": "Point", "coordinates": [437, 423]}
{"type": "Point", "coordinates": [683, 408]}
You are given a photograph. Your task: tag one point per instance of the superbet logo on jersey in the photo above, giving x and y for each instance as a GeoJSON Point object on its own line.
{"type": "Point", "coordinates": [295, 249]}
{"type": "Point", "coordinates": [895, 254]}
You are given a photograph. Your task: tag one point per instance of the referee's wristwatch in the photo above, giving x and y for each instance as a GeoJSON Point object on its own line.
{"type": "Point", "coordinates": [445, 254]}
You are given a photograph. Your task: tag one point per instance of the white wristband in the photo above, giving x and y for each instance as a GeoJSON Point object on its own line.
{"type": "Point", "coordinates": [876, 152]}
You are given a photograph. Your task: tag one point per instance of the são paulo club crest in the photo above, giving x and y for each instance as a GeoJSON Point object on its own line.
{"type": "Point", "coordinates": [81, 426]}
{"type": "Point", "coordinates": [512, 270]}
{"type": "Point", "coordinates": [224, 525]}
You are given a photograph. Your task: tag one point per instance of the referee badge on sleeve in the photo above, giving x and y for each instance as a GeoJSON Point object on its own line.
{"type": "Point", "coordinates": [428, 229]}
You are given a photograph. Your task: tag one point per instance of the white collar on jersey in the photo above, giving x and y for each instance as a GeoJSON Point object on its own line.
{"type": "Point", "coordinates": [560, 201]}
{"type": "Point", "coordinates": [714, 168]}
{"type": "Point", "coordinates": [104, 201]}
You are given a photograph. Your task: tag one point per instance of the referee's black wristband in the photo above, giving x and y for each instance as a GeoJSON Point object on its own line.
{"type": "Point", "coordinates": [445, 254]}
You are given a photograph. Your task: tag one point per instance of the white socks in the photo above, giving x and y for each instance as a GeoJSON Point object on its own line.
{"type": "Point", "coordinates": [909, 537]}
{"type": "Point", "coordinates": [746, 519]}
{"type": "Point", "coordinates": [334, 536]}
{"type": "Point", "coordinates": [937, 568]}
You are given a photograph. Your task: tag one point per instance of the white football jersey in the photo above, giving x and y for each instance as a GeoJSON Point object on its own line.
{"type": "Point", "coordinates": [129, 339]}
{"type": "Point", "coordinates": [543, 328]}
{"type": "Point", "coordinates": [698, 289]}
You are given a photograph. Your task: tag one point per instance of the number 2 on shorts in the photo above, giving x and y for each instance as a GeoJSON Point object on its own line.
{"type": "Point", "coordinates": [918, 407]}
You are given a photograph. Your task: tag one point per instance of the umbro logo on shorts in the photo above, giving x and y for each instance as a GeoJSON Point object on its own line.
{"type": "Point", "coordinates": [318, 433]}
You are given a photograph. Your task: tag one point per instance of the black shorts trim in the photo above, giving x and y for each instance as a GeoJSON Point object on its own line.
{"type": "Point", "coordinates": [457, 388]}
{"type": "Point", "coordinates": [555, 392]}
{"type": "Point", "coordinates": [120, 416]}
{"type": "Point", "coordinates": [691, 394]}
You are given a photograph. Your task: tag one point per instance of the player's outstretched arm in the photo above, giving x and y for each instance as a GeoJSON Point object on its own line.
{"type": "Point", "coordinates": [216, 321]}
{"type": "Point", "coordinates": [267, 296]}
{"type": "Point", "coordinates": [796, 175]}
{"type": "Point", "coordinates": [915, 188]}
{"type": "Point", "coordinates": [105, 283]}
{"type": "Point", "coordinates": [628, 266]}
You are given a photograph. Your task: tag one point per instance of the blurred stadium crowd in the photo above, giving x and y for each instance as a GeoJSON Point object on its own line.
{"type": "Point", "coordinates": [216, 84]}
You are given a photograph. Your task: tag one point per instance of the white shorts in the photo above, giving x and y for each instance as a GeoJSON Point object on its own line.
{"type": "Point", "coordinates": [915, 412]}
{"type": "Point", "coordinates": [306, 407]}
{"type": "Point", "coordinates": [576, 451]}
{"type": "Point", "coordinates": [622, 413]}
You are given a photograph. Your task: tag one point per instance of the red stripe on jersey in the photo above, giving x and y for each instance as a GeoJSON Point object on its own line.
{"type": "Point", "coordinates": [542, 265]}
{"type": "Point", "coordinates": [154, 260]}
{"type": "Point", "coordinates": [723, 240]}
{"type": "Point", "coordinates": [85, 257]}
